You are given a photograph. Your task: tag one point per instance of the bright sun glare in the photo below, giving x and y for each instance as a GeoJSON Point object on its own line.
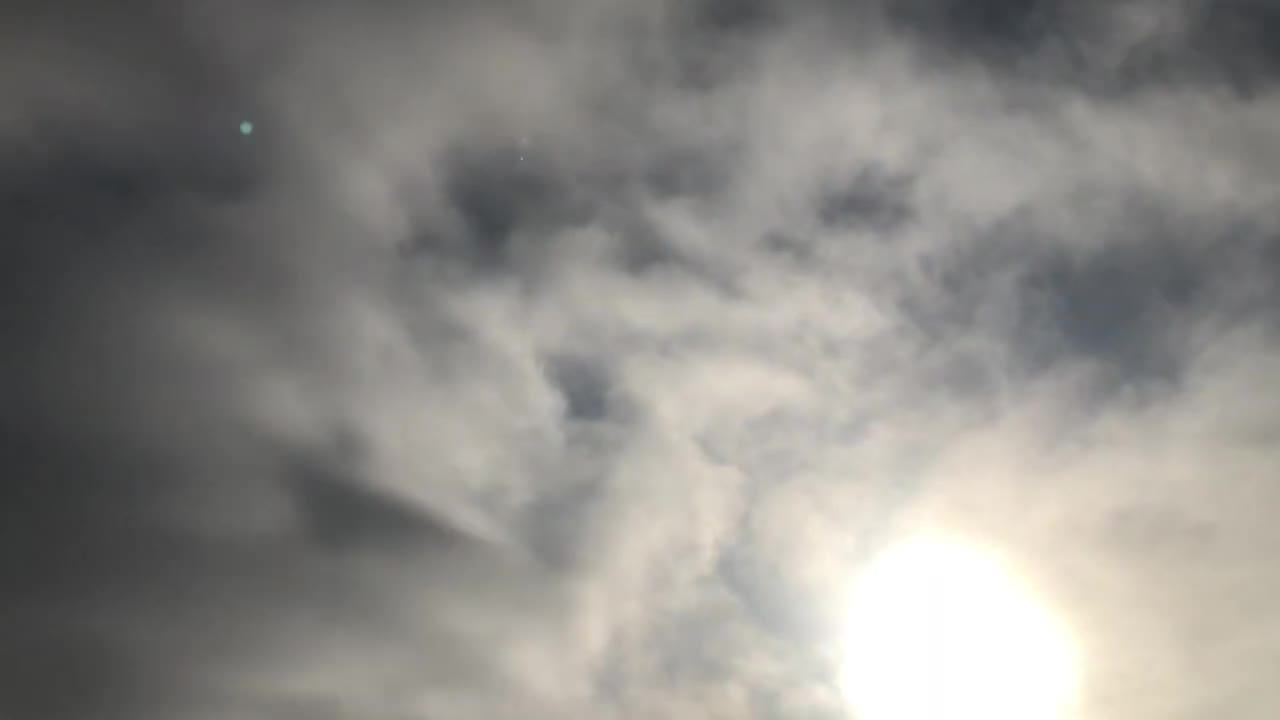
{"type": "Point", "coordinates": [938, 630]}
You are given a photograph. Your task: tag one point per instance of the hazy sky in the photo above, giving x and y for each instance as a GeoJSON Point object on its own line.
{"type": "Point", "coordinates": [565, 359]}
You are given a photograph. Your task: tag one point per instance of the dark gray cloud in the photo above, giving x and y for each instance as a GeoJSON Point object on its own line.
{"type": "Point", "coordinates": [585, 385]}
{"type": "Point", "coordinates": [1107, 48]}
{"type": "Point", "coordinates": [881, 203]}
{"type": "Point", "coordinates": [565, 359]}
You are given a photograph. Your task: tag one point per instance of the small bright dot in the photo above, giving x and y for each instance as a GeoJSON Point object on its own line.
{"type": "Point", "coordinates": [246, 128]}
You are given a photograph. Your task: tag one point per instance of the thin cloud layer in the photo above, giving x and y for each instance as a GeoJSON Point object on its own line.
{"type": "Point", "coordinates": [567, 360]}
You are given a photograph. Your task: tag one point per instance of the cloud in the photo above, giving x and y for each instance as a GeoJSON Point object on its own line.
{"type": "Point", "coordinates": [564, 359]}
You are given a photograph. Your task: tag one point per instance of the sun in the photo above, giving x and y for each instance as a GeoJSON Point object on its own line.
{"type": "Point", "coordinates": [937, 630]}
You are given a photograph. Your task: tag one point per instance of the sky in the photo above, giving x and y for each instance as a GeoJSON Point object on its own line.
{"type": "Point", "coordinates": [567, 358]}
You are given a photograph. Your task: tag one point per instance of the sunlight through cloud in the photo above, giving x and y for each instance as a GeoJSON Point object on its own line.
{"type": "Point", "coordinates": [937, 629]}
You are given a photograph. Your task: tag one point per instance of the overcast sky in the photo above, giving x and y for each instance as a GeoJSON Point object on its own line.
{"type": "Point", "coordinates": [567, 358]}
